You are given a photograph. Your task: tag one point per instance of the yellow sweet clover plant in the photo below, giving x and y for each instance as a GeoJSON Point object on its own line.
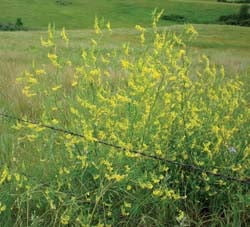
{"type": "Point", "coordinates": [147, 98]}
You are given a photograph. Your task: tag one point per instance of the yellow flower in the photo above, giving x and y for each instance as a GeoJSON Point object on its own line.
{"type": "Point", "coordinates": [127, 205]}
{"type": "Point", "coordinates": [94, 42]}
{"type": "Point", "coordinates": [52, 57]}
{"type": "Point", "coordinates": [2, 207]}
{"type": "Point", "coordinates": [40, 72]}
{"type": "Point", "coordinates": [56, 88]}
{"type": "Point", "coordinates": [64, 36]}
{"type": "Point", "coordinates": [96, 26]}
{"type": "Point", "coordinates": [65, 219]}
{"type": "Point", "coordinates": [48, 43]}
{"type": "Point", "coordinates": [125, 64]}
{"type": "Point", "coordinates": [74, 83]}
{"type": "Point", "coordinates": [157, 192]}
{"type": "Point", "coordinates": [4, 175]}
{"type": "Point", "coordinates": [32, 80]}
{"type": "Point", "coordinates": [26, 91]}
{"type": "Point", "coordinates": [140, 28]}
{"type": "Point", "coordinates": [109, 27]}
{"type": "Point", "coordinates": [181, 216]}
{"type": "Point", "coordinates": [74, 111]}
{"type": "Point", "coordinates": [129, 187]}
{"type": "Point", "coordinates": [207, 188]}
{"type": "Point", "coordinates": [190, 30]}
{"type": "Point", "coordinates": [54, 121]}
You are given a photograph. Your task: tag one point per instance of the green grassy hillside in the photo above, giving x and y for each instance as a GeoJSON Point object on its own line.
{"type": "Point", "coordinates": [36, 14]}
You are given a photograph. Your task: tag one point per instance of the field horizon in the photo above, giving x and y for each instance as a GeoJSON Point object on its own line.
{"type": "Point", "coordinates": [78, 14]}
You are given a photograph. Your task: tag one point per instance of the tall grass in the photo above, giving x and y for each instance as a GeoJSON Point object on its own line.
{"type": "Point", "coordinates": [149, 99]}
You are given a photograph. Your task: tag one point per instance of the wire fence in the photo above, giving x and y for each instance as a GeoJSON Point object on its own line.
{"type": "Point", "coordinates": [184, 166]}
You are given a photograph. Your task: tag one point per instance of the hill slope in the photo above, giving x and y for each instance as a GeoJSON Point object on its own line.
{"type": "Point", "coordinates": [36, 14]}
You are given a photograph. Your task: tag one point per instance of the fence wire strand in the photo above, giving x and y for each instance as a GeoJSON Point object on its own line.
{"type": "Point", "coordinates": [183, 166]}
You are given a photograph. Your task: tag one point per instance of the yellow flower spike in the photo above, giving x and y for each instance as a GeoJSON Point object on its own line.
{"type": "Point", "coordinates": [50, 31]}
{"type": "Point", "coordinates": [26, 91]}
{"type": "Point", "coordinates": [157, 192]}
{"type": "Point", "coordinates": [61, 171]}
{"type": "Point", "coordinates": [18, 126]}
{"type": "Point", "coordinates": [126, 64]}
{"type": "Point", "coordinates": [129, 187]}
{"type": "Point", "coordinates": [2, 207]}
{"type": "Point", "coordinates": [147, 185]}
{"type": "Point", "coordinates": [4, 175]}
{"type": "Point", "coordinates": [124, 212]}
{"type": "Point", "coordinates": [69, 63]}
{"type": "Point", "coordinates": [96, 26]}
{"type": "Point", "coordinates": [207, 188]}
{"type": "Point", "coordinates": [127, 205]}
{"type": "Point", "coordinates": [31, 138]}
{"type": "Point", "coordinates": [158, 15]}
{"type": "Point", "coordinates": [54, 121]}
{"type": "Point", "coordinates": [94, 42]}
{"type": "Point", "coordinates": [52, 205]}
{"type": "Point", "coordinates": [84, 54]}
{"type": "Point", "coordinates": [65, 219]}
{"type": "Point", "coordinates": [172, 78]}
{"type": "Point", "coordinates": [106, 73]}
{"type": "Point", "coordinates": [48, 43]}
{"type": "Point", "coordinates": [74, 83]}
{"type": "Point", "coordinates": [181, 216]}
{"type": "Point", "coordinates": [56, 88]}
{"type": "Point", "coordinates": [127, 168]}
{"type": "Point", "coordinates": [140, 28]}
{"type": "Point", "coordinates": [191, 31]}
{"type": "Point", "coordinates": [142, 35]}
{"type": "Point", "coordinates": [156, 75]}
{"type": "Point", "coordinates": [64, 36]}
{"type": "Point", "coordinates": [65, 170]}
{"type": "Point", "coordinates": [32, 80]}
{"type": "Point", "coordinates": [40, 72]}
{"type": "Point", "coordinates": [205, 176]}
{"type": "Point", "coordinates": [126, 49]}
{"type": "Point", "coordinates": [17, 177]}
{"type": "Point", "coordinates": [104, 60]}
{"type": "Point", "coordinates": [109, 27]}
{"type": "Point", "coordinates": [214, 171]}
{"type": "Point", "coordinates": [52, 57]}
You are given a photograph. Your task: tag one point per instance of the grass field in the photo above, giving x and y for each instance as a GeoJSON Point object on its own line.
{"type": "Point", "coordinates": [80, 14]}
{"type": "Point", "coordinates": [133, 88]}
{"type": "Point", "coordinates": [225, 45]}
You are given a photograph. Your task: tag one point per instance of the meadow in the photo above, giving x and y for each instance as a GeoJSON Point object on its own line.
{"type": "Point", "coordinates": [38, 14]}
{"type": "Point", "coordinates": [134, 96]}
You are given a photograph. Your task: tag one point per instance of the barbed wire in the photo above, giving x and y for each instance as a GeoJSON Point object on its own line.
{"type": "Point", "coordinates": [184, 166]}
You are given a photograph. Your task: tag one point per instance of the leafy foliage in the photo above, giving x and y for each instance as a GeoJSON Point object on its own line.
{"type": "Point", "coordinates": [12, 27]}
{"type": "Point", "coordinates": [242, 18]}
{"type": "Point", "coordinates": [174, 17]}
{"type": "Point", "coordinates": [234, 1]}
{"type": "Point", "coordinates": [64, 2]}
